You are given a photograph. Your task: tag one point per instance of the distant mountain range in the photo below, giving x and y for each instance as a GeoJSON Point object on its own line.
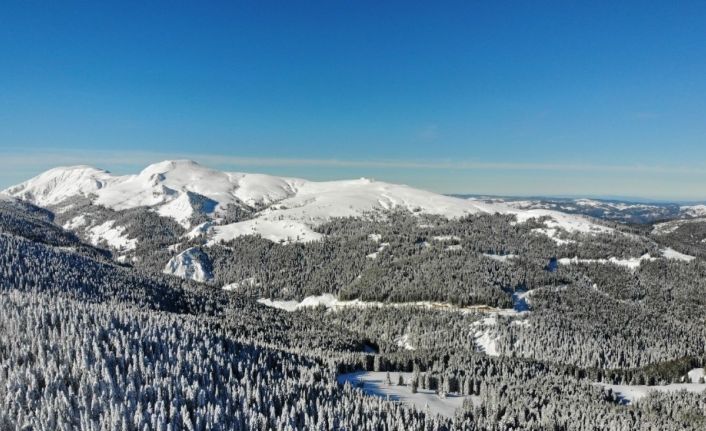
{"type": "Point", "coordinates": [624, 211]}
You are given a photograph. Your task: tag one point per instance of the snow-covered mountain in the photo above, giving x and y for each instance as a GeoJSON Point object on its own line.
{"type": "Point", "coordinates": [202, 200]}
{"type": "Point", "coordinates": [693, 210]}
{"type": "Point", "coordinates": [611, 210]}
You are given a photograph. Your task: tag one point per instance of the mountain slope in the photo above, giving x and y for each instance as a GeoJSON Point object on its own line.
{"type": "Point", "coordinates": [277, 208]}
{"type": "Point", "coordinates": [149, 218]}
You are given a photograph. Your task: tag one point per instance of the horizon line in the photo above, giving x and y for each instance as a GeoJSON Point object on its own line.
{"type": "Point", "coordinates": [37, 161]}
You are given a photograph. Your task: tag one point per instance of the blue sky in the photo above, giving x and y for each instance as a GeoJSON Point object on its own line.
{"type": "Point", "coordinates": [520, 98]}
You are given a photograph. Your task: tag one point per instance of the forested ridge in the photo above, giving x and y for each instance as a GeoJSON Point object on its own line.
{"type": "Point", "coordinates": [89, 343]}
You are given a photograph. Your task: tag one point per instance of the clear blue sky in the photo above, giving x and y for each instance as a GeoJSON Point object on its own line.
{"type": "Point", "coordinates": [522, 97]}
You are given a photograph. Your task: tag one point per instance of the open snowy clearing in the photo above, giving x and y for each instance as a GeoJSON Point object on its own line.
{"type": "Point", "coordinates": [673, 254]}
{"type": "Point", "coordinates": [485, 336]}
{"type": "Point", "coordinates": [285, 231]}
{"type": "Point", "coordinates": [331, 302]}
{"type": "Point", "coordinates": [486, 342]}
{"type": "Point", "coordinates": [374, 383]}
{"type": "Point", "coordinates": [633, 393]}
{"type": "Point", "coordinates": [631, 263]}
{"type": "Point", "coordinates": [500, 257]}
{"type": "Point", "coordinates": [114, 236]}
{"type": "Point", "coordinates": [233, 287]}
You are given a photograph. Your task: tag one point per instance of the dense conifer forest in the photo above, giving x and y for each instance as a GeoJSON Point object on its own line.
{"type": "Point", "coordinates": [92, 343]}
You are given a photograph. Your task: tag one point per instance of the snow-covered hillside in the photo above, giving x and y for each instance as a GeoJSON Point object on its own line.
{"type": "Point", "coordinates": [283, 209]}
{"type": "Point", "coordinates": [56, 185]}
{"type": "Point", "coordinates": [694, 210]}
{"type": "Point", "coordinates": [191, 263]}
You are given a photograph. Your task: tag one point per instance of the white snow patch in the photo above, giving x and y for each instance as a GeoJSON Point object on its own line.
{"type": "Point", "coordinates": [179, 209]}
{"type": "Point", "coordinates": [403, 342]}
{"type": "Point", "coordinates": [553, 233]}
{"type": "Point", "coordinates": [487, 342]}
{"type": "Point", "coordinates": [632, 263]}
{"type": "Point", "coordinates": [633, 393]}
{"type": "Point", "coordinates": [375, 237]}
{"type": "Point", "coordinates": [453, 247]}
{"type": "Point", "coordinates": [696, 375]}
{"type": "Point", "coordinates": [375, 383]}
{"type": "Point", "coordinates": [189, 264]}
{"type": "Point", "coordinates": [75, 223]}
{"type": "Point", "coordinates": [238, 284]}
{"type": "Point", "coordinates": [672, 225]}
{"type": "Point", "coordinates": [446, 238]}
{"type": "Point", "coordinates": [331, 302]}
{"type": "Point", "coordinates": [694, 210]}
{"type": "Point", "coordinates": [374, 255]}
{"type": "Point", "coordinates": [500, 257]}
{"type": "Point", "coordinates": [670, 253]}
{"type": "Point", "coordinates": [112, 235]}
{"type": "Point", "coordinates": [286, 231]}
{"type": "Point", "coordinates": [200, 229]}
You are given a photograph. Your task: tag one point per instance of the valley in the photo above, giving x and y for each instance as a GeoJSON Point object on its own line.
{"type": "Point", "coordinates": [303, 296]}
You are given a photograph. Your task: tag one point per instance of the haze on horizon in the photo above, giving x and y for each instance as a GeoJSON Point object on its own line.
{"type": "Point", "coordinates": [504, 98]}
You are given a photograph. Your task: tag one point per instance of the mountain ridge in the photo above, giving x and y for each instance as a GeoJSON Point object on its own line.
{"type": "Point", "coordinates": [278, 208]}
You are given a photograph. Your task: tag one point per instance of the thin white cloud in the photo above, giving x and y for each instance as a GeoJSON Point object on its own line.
{"type": "Point", "coordinates": [29, 161]}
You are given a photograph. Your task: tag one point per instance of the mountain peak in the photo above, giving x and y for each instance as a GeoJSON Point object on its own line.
{"type": "Point", "coordinates": [58, 184]}
{"type": "Point", "coordinates": [166, 166]}
{"type": "Point", "coordinates": [287, 208]}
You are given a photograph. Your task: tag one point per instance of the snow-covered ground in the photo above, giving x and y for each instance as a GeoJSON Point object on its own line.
{"type": "Point", "coordinates": [486, 341]}
{"type": "Point", "coordinates": [290, 207]}
{"type": "Point", "coordinates": [672, 225]}
{"type": "Point", "coordinates": [190, 264]}
{"type": "Point", "coordinates": [286, 231]}
{"type": "Point", "coordinates": [696, 375]}
{"type": "Point", "coordinates": [631, 263]}
{"type": "Point", "coordinates": [694, 210]}
{"type": "Point", "coordinates": [375, 383]}
{"type": "Point", "coordinates": [232, 287]}
{"type": "Point", "coordinates": [403, 342]}
{"type": "Point", "coordinates": [633, 393]}
{"type": "Point", "coordinates": [75, 223]}
{"type": "Point", "coordinates": [673, 254]}
{"type": "Point", "coordinates": [114, 236]}
{"type": "Point", "coordinates": [446, 238]}
{"type": "Point", "coordinates": [286, 209]}
{"type": "Point", "coordinates": [375, 237]}
{"type": "Point", "coordinates": [483, 330]}
{"type": "Point", "coordinates": [500, 257]}
{"type": "Point", "coordinates": [331, 302]}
